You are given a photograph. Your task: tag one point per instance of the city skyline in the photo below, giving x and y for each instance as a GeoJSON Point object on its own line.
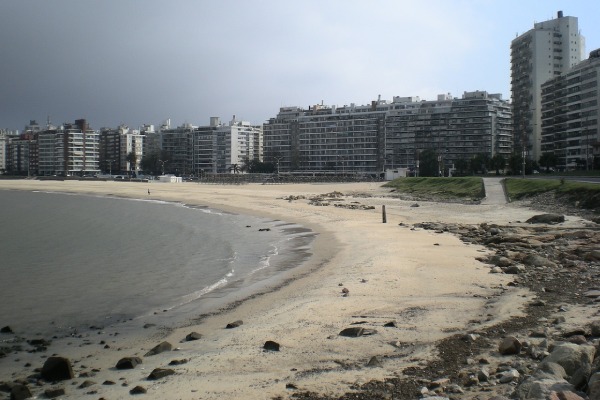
{"type": "Point", "coordinates": [123, 63]}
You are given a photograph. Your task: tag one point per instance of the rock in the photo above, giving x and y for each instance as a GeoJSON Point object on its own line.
{"type": "Point", "coordinates": [357, 331]}
{"type": "Point", "coordinates": [159, 373]}
{"type": "Point", "coordinates": [354, 331]}
{"type": "Point", "coordinates": [128, 362]}
{"type": "Point", "coordinates": [109, 383]}
{"type": "Point", "coordinates": [20, 392]}
{"type": "Point", "coordinates": [6, 329]}
{"type": "Point", "coordinates": [391, 324]}
{"type": "Point", "coordinates": [514, 269]}
{"type": "Point", "coordinates": [546, 219]}
{"type": "Point", "coordinates": [374, 362]}
{"type": "Point", "coordinates": [553, 369]}
{"type": "Point", "coordinates": [415, 205]}
{"type": "Point", "coordinates": [571, 357]}
{"type": "Point", "coordinates": [534, 260]}
{"type": "Point", "coordinates": [509, 376]}
{"type": "Point", "coordinates": [500, 261]}
{"type": "Point", "coordinates": [564, 395]}
{"type": "Point", "coordinates": [179, 362]}
{"type": "Point", "coordinates": [592, 294]}
{"type": "Point", "coordinates": [483, 375]}
{"type": "Point", "coordinates": [52, 393]}
{"type": "Point", "coordinates": [509, 345]}
{"type": "Point", "coordinates": [138, 390]}
{"type": "Point", "coordinates": [594, 386]}
{"type": "Point", "coordinates": [271, 345]}
{"type": "Point", "coordinates": [57, 369]}
{"type": "Point", "coordinates": [595, 326]}
{"type": "Point", "coordinates": [159, 348]}
{"type": "Point", "coordinates": [193, 336]}
{"type": "Point", "coordinates": [86, 384]}
{"type": "Point", "coordinates": [577, 339]}
{"type": "Point", "coordinates": [234, 324]}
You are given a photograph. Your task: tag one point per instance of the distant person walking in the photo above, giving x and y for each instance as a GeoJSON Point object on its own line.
{"type": "Point", "coordinates": [148, 190]}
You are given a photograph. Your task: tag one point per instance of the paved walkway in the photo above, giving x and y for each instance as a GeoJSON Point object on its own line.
{"type": "Point", "coordinates": [494, 191]}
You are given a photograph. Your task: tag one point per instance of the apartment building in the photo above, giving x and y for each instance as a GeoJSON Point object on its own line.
{"type": "Point", "coordinates": [570, 108]}
{"type": "Point", "coordinates": [216, 148]}
{"type": "Point", "coordinates": [384, 135]}
{"type": "Point", "coordinates": [548, 50]}
{"type": "Point", "coordinates": [68, 150]}
{"type": "Point", "coordinates": [121, 150]}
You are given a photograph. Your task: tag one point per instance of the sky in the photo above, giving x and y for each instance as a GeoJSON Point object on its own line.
{"type": "Point", "coordinates": [137, 62]}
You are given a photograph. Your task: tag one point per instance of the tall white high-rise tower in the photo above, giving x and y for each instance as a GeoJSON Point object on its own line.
{"type": "Point", "coordinates": [549, 49]}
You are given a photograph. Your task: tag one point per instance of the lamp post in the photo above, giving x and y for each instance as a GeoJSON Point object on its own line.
{"type": "Point", "coordinates": [110, 163]}
{"type": "Point", "coordinates": [163, 165]}
{"type": "Point", "coordinates": [277, 159]}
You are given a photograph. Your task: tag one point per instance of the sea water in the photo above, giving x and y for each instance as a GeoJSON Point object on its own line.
{"type": "Point", "coordinates": [71, 262]}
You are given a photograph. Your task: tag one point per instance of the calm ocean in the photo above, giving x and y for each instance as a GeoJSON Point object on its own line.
{"type": "Point", "coordinates": [68, 262]}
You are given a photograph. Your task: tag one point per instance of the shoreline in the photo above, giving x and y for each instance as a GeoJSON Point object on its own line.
{"type": "Point", "coordinates": [430, 285]}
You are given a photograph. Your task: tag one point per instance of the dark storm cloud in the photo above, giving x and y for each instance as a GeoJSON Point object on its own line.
{"type": "Point", "coordinates": [135, 62]}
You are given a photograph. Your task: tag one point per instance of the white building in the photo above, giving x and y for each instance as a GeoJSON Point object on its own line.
{"type": "Point", "coordinates": [549, 49]}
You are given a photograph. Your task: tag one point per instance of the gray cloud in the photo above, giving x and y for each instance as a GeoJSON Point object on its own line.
{"type": "Point", "coordinates": [135, 62]}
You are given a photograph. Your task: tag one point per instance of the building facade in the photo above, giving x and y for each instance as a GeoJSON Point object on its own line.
{"type": "Point", "coordinates": [216, 148]}
{"type": "Point", "coordinates": [68, 150]}
{"type": "Point", "coordinates": [570, 108]}
{"type": "Point", "coordinates": [121, 150]}
{"type": "Point", "coordinates": [548, 50]}
{"type": "Point", "coordinates": [385, 135]}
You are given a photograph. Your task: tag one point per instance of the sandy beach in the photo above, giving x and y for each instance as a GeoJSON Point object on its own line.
{"type": "Point", "coordinates": [429, 285]}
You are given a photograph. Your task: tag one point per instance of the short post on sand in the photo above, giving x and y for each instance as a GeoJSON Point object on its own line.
{"type": "Point", "coordinates": [383, 216]}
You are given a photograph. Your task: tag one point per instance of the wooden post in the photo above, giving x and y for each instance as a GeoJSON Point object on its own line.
{"type": "Point", "coordinates": [383, 214]}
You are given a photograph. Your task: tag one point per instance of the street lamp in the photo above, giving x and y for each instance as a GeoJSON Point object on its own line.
{"type": "Point", "coordinates": [278, 158]}
{"type": "Point", "coordinates": [163, 165]}
{"type": "Point", "coordinates": [110, 163]}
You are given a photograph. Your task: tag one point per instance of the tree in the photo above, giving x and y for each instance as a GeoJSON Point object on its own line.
{"type": "Point", "coordinates": [428, 163]}
{"type": "Point", "coordinates": [150, 163]}
{"type": "Point", "coordinates": [515, 163]}
{"type": "Point", "coordinates": [132, 160]}
{"type": "Point", "coordinates": [235, 168]}
{"type": "Point", "coordinates": [462, 167]}
{"type": "Point", "coordinates": [498, 162]}
{"type": "Point", "coordinates": [480, 163]}
{"type": "Point", "coordinates": [548, 160]}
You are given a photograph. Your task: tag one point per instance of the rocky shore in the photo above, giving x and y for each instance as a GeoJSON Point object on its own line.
{"type": "Point", "coordinates": [536, 356]}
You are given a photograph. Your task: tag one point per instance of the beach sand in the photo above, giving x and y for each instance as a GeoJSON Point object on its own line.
{"type": "Point", "coordinates": [430, 285]}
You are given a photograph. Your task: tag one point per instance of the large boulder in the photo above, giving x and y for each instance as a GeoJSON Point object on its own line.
{"type": "Point", "coordinates": [572, 357]}
{"type": "Point", "coordinates": [57, 369]}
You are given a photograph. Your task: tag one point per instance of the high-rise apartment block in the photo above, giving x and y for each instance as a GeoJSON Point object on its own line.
{"type": "Point", "coordinates": [570, 108]}
{"type": "Point", "coordinates": [68, 150]}
{"type": "Point", "coordinates": [214, 148]}
{"type": "Point", "coordinates": [121, 150]}
{"type": "Point", "coordinates": [385, 135]}
{"type": "Point", "coordinates": [548, 50]}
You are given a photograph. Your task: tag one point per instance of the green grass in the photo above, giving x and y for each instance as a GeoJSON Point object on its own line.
{"type": "Point", "coordinates": [587, 195]}
{"type": "Point", "coordinates": [444, 188]}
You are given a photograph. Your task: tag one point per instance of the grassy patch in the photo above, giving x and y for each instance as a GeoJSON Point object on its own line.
{"type": "Point", "coordinates": [442, 188]}
{"type": "Point", "coordinates": [585, 195]}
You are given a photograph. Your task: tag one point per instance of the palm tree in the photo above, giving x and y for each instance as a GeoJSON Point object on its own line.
{"type": "Point", "coordinates": [234, 168]}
